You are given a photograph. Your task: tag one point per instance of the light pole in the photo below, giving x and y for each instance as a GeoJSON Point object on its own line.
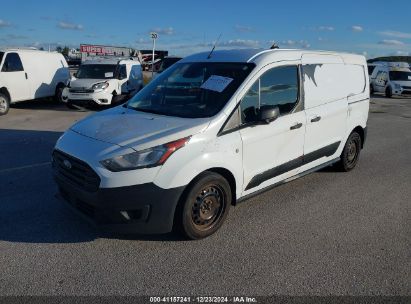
{"type": "Point", "coordinates": [154, 36]}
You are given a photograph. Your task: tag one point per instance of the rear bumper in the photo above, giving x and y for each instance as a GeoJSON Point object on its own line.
{"type": "Point", "coordinates": [144, 208]}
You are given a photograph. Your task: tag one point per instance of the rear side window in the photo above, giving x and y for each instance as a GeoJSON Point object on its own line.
{"type": "Point", "coordinates": [277, 87]}
{"type": "Point", "coordinates": [12, 63]}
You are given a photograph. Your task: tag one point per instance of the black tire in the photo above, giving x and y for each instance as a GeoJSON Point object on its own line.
{"type": "Point", "coordinates": [388, 92]}
{"type": "Point", "coordinates": [205, 206]}
{"type": "Point", "coordinates": [4, 104]}
{"type": "Point", "coordinates": [371, 89]}
{"type": "Point", "coordinates": [71, 106]}
{"type": "Point", "coordinates": [350, 153]}
{"type": "Point", "coordinates": [59, 93]}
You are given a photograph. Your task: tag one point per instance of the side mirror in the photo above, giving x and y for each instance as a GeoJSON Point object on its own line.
{"type": "Point", "coordinates": [268, 114]}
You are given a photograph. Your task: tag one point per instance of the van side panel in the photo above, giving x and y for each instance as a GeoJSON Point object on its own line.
{"type": "Point", "coordinates": [326, 107]}
{"type": "Point", "coordinates": [45, 71]}
{"type": "Point", "coordinates": [337, 94]}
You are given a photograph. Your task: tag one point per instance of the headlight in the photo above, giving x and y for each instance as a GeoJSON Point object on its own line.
{"type": "Point", "coordinates": [146, 158]}
{"type": "Point", "coordinates": [100, 86]}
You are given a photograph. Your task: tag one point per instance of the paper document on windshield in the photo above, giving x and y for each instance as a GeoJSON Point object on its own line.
{"type": "Point", "coordinates": [216, 83]}
{"type": "Point", "coordinates": [108, 74]}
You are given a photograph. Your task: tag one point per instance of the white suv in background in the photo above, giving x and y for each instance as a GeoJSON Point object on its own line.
{"type": "Point", "coordinates": [103, 81]}
{"type": "Point", "coordinates": [211, 130]}
{"type": "Point", "coordinates": [391, 78]}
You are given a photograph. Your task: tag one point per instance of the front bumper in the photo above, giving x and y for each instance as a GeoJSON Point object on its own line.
{"type": "Point", "coordinates": [144, 208]}
{"type": "Point", "coordinates": [100, 98]}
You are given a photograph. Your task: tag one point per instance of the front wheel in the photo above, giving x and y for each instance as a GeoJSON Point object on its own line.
{"type": "Point", "coordinates": [205, 206]}
{"type": "Point", "coordinates": [58, 96]}
{"type": "Point", "coordinates": [4, 104]}
{"type": "Point", "coordinates": [351, 152]}
{"type": "Point", "coordinates": [388, 92]}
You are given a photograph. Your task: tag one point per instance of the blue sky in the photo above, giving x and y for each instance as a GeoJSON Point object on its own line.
{"type": "Point", "coordinates": [370, 27]}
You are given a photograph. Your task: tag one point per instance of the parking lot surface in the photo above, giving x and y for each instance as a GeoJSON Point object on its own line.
{"type": "Point", "coordinates": [327, 233]}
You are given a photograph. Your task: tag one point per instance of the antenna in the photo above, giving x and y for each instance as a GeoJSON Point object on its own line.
{"type": "Point", "coordinates": [215, 44]}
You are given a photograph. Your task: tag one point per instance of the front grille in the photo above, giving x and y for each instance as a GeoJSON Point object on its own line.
{"type": "Point", "coordinates": [81, 91]}
{"type": "Point", "coordinates": [406, 88]}
{"type": "Point", "coordinates": [75, 171]}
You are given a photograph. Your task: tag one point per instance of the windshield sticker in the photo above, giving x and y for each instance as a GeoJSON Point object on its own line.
{"type": "Point", "coordinates": [216, 83]}
{"type": "Point", "coordinates": [108, 74]}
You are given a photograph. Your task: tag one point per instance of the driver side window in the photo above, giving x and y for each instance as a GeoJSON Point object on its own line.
{"type": "Point", "coordinates": [278, 87]}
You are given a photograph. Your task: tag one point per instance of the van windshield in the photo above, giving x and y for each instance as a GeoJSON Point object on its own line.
{"type": "Point", "coordinates": [167, 62]}
{"type": "Point", "coordinates": [191, 90]}
{"type": "Point", "coordinates": [96, 71]}
{"type": "Point", "coordinates": [400, 76]}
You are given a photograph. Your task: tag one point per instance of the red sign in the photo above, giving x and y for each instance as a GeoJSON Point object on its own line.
{"type": "Point", "coordinates": [91, 49]}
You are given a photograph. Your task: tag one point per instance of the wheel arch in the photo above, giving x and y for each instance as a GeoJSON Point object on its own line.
{"type": "Point", "coordinates": [360, 130]}
{"type": "Point", "coordinates": [227, 174]}
{"type": "Point", "coordinates": [4, 91]}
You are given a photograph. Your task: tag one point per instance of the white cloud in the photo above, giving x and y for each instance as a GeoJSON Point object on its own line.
{"type": "Point", "coordinates": [395, 34]}
{"type": "Point", "coordinates": [70, 26]}
{"type": "Point", "coordinates": [357, 28]}
{"type": "Point", "coordinates": [243, 28]}
{"type": "Point", "coordinates": [292, 43]}
{"type": "Point", "coordinates": [240, 43]}
{"type": "Point", "coordinates": [4, 23]}
{"type": "Point", "coordinates": [401, 53]}
{"type": "Point", "coordinates": [326, 28]}
{"type": "Point", "coordinates": [163, 31]}
{"type": "Point", "coordinates": [390, 42]}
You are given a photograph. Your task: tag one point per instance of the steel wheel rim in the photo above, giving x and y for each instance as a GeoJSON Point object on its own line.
{"type": "Point", "coordinates": [3, 105]}
{"type": "Point", "coordinates": [352, 152]}
{"type": "Point", "coordinates": [208, 207]}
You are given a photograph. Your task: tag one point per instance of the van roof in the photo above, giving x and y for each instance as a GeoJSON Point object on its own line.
{"type": "Point", "coordinates": [27, 50]}
{"type": "Point", "coordinates": [106, 60]}
{"type": "Point", "coordinates": [254, 55]}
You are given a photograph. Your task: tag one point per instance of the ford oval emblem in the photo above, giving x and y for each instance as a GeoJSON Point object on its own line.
{"type": "Point", "coordinates": [67, 164]}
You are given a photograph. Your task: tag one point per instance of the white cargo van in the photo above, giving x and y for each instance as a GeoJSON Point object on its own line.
{"type": "Point", "coordinates": [210, 131]}
{"type": "Point", "coordinates": [391, 78]}
{"type": "Point", "coordinates": [29, 74]}
{"type": "Point", "coordinates": [103, 81]}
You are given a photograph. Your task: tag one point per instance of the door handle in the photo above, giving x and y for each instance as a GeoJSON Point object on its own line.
{"type": "Point", "coordinates": [296, 126]}
{"type": "Point", "coordinates": [316, 118]}
{"type": "Point", "coordinates": [27, 77]}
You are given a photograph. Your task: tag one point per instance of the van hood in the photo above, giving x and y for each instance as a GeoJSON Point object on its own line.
{"type": "Point", "coordinates": [137, 130]}
{"type": "Point", "coordinates": [87, 83]}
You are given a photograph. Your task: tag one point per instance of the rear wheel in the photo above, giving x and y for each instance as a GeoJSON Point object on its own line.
{"type": "Point", "coordinates": [59, 93]}
{"type": "Point", "coordinates": [388, 92]}
{"type": "Point", "coordinates": [4, 104]}
{"type": "Point", "coordinates": [351, 152]}
{"type": "Point", "coordinates": [206, 206]}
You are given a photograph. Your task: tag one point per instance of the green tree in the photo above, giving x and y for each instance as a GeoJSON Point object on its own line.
{"type": "Point", "coordinates": [65, 51]}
